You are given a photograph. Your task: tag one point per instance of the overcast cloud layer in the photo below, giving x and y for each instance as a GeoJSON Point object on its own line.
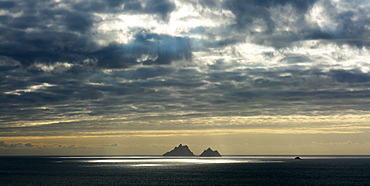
{"type": "Point", "coordinates": [108, 67]}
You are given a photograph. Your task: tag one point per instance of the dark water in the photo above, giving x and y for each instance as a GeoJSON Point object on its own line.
{"type": "Point", "coordinates": [152, 170]}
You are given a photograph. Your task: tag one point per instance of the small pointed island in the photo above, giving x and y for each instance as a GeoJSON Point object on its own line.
{"type": "Point", "coordinates": [181, 150]}
{"type": "Point", "coordinates": [210, 153]}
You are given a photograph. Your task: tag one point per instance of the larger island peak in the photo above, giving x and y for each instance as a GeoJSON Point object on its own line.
{"type": "Point", "coordinates": [181, 150]}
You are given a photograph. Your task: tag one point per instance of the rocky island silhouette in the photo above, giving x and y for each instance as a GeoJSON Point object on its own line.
{"type": "Point", "coordinates": [183, 150]}
{"type": "Point", "coordinates": [210, 153]}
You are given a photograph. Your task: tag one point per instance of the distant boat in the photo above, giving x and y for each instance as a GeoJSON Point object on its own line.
{"type": "Point", "coordinates": [181, 150]}
{"type": "Point", "coordinates": [297, 158]}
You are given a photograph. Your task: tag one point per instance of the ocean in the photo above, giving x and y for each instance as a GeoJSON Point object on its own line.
{"type": "Point", "coordinates": [159, 170]}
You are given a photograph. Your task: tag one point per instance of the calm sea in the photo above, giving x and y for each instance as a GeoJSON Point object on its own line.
{"type": "Point", "coordinates": [158, 170]}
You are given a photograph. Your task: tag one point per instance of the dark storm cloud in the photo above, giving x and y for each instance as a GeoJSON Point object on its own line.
{"type": "Point", "coordinates": [46, 47]}
{"type": "Point", "coordinates": [350, 27]}
{"type": "Point", "coordinates": [353, 27]}
{"type": "Point", "coordinates": [46, 16]}
{"type": "Point", "coordinates": [51, 38]}
{"type": "Point", "coordinates": [99, 5]}
{"type": "Point", "coordinates": [350, 76]}
{"type": "Point", "coordinates": [222, 43]}
{"type": "Point", "coordinates": [162, 8]}
{"type": "Point", "coordinates": [7, 4]}
{"type": "Point", "coordinates": [64, 34]}
{"type": "Point", "coordinates": [161, 49]}
{"type": "Point", "coordinates": [246, 11]}
{"type": "Point", "coordinates": [50, 47]}
{"type": "Point", "coordinates": [78, 21]}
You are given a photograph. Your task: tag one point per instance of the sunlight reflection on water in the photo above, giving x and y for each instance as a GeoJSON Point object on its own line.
{"type": "Point", "coordinates": [175, 161]}
{"type": "Point", "coordinates": [166, 161]}
{"type": "Point", "coordinates": [160, 161]}
{"type": "Point", "coordinates": [149, 165]}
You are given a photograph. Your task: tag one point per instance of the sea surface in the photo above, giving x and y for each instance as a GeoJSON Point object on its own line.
{"type": "Point", "coordinates": [159, 170]}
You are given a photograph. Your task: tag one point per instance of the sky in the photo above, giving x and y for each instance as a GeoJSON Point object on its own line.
{"type": "Point", "coordinates": [139, 77]}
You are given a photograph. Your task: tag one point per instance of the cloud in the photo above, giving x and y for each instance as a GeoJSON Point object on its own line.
{"type": "Point", "coordinates": [350, 76]}
{"type": "Point", "coordinates": [28, 145]}
{"type": "Point", "coordinates": [74, 32]}
{"type": "Point", "coordinates": [282, 23]}
{"type": "Point", "coordinates": [63, 32]}
{"type": "Point", "coordinates": [249, 12]}
{"type": "Point", "coordinates": [111, 145]}
{"type": "Point", "coordinates": [7, 4]}
{"type": "Point", "coordinates": [45, 47]}
{"type": "Point", "coordinates": [145, 48]}
{"type": "Point", "coordinates": [162, 8]}
{"type": "Point", "coordinates": [5, 144]}
{"type": "Point", "coordinates": [116, 65]}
